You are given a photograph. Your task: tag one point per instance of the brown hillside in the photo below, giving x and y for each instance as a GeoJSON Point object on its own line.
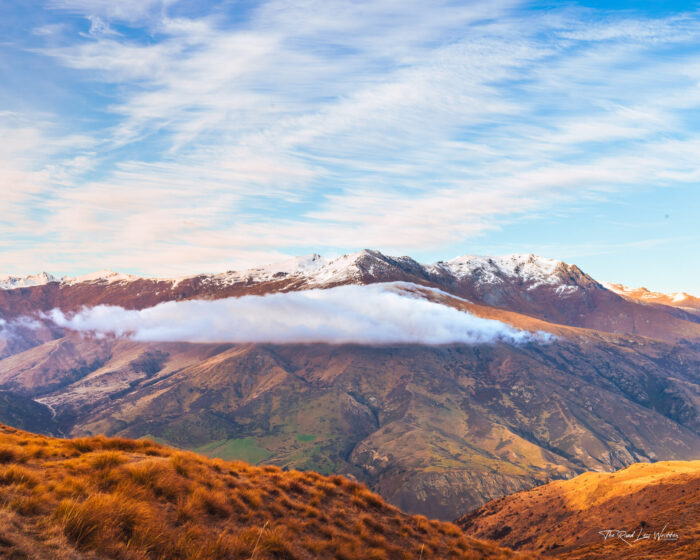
{"type": "Point", "coordinates": [564, 518]}
{"type": "Point", "coordinates": [119, 498]}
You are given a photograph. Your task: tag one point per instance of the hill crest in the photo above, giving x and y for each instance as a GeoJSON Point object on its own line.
{"type": "Point", "coordinates": [127, 499]}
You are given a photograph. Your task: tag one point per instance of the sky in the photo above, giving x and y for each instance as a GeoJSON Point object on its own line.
{"type": "Point", "coordinates": [165, 137]}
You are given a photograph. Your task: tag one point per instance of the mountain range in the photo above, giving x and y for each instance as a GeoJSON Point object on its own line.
{"type": "Point", "coordinates": [609, 377]}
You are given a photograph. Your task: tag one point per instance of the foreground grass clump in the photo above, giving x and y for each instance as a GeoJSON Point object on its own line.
{"type": "Point", "coordinates": [136, 500]}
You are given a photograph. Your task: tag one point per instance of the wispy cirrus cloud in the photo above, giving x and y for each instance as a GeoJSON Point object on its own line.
{"type": "Point", "coordinates": [124, 10]}
{"type": "Point", "coordinates": [236, 133]}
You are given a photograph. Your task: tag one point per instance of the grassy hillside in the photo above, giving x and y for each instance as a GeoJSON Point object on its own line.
{"type": "Point", "coordinates": [119, 498]}
{"type": "Point", "coordinates": [563, 518]}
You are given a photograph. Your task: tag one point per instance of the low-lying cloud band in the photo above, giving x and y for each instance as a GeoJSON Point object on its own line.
{"type": "Point", "coordinates": [375, 314]}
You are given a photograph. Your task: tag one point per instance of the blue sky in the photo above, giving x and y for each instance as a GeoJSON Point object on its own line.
{"type": "Point", "coordinates": [163, 137]}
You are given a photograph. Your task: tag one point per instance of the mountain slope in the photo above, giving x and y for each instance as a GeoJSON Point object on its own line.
{"type": "Point", "coordinates": [116, 498]}
{"type": "Point", "coordinates": [26, 414]}
{"type": "Point", "coordinates": [564, 518]}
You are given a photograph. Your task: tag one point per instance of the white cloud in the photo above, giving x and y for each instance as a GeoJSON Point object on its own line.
{"type": "Point", "coordinates": [99, 27]}
{"type": "Point", "coordinates": [26, 170]}
{"type": "Point", "coordinates": [341, 125]}
{"type": "Point", "coordinates": [375, 314]}
{"type": "Point", "coordinates": [17, 329]}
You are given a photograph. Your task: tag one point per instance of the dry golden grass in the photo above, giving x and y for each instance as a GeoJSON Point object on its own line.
{"type": "Point", "coordinates": [642, 499]}
{"type": "Point", "coordinates": [136, 500]}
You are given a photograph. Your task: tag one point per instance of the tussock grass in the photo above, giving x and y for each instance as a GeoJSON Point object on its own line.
{"type": "Point", "coordinates": [107, 459]}
{"type": "Point", "coordinates": [16, 474]}
{"type": "Point", "coordinates": [137, 500]}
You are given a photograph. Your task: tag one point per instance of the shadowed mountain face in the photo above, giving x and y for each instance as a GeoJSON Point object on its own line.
{"type": "Point", "coordinates": [437, 430]}
{"type": "Point", "coordinates": [643, 512]}
{"type": "Point", "coordinates": [26, 414]}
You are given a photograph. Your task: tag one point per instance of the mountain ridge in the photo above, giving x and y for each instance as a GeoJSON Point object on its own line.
{"type": "Point", "coordinates": [682, 300]}
{"type": "Point", "coordinates": [294, 266]}
{"type": "Point", "coordinates": [543, 288]}
{"type": "Point", "coordinates": [322, 271]}
{"type": "Point", "coordinates": [98, 497]}
{"type": "Point", "coordinates": [644, 511]}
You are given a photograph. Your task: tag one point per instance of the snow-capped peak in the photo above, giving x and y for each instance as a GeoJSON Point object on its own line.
{"type": "Point", "coordinates": [529, 268]}
{"type": "Point", "coordinates": [314, 269]}
{"type": "Point", "coordinates": [339, 269]}
{"type": "Point", "coordinates": [8, 282]}
{"type": "Point", "coordinates": [102, 276]}
{"type": "Point", "coordinates": [679, 299]}
{"type": "Point", "coordinates": [295, 265]}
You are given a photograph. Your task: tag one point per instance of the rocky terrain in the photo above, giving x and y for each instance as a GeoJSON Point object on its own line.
{"type": "Point", "coordinates": [645, 511]}
{"type": "Point", "coordinates": [435, 429]}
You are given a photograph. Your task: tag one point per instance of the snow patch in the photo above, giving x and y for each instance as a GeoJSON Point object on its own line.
{"type": "Point", "coordinates": [531, 269]}
{"type": "Point", "coordinates": [8, 282]}
{"type": "Point", "coordinates": [643, 294]}
{"type": "Point", "coordinates": [102, 276]}
{"type": "Point", "coordinates": [314, 269]}
{"type": "Point", "coordinates": [566, 290]}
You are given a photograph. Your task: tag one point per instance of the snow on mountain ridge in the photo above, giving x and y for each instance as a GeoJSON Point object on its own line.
{"type": "Point", "coordinates": [295, 265]}
{"type": "Point", "coordinates": [319, 271]}
{"type": "Point", "coordinates": [530, 268]}
{"type": "Point", "coordinates": [108, 276]}
{"type": "Point", "coordinates": [316, 271]}
{"type": "Point", "coordinates": [679, 299]}
{"type": "Point", "coordinates": [8, 282]}
{"type": "Point", "coordinates": [311, 267]}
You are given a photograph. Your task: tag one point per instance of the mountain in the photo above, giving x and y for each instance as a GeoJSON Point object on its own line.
{"type": "Point", "coordinates": [544, 288]}
{"type": "Point", "coordinates": [8, 282]}
{"type": "Point", "coordinates": [680, 300]}
{"type": "Point", "coordinates": [650, 510]}
{"type": "Point", "coordinates": [26, 414]}
{"type": "Point", "coordinates": [435, 429]}
{"type": "Point", "coordinates": [118, 498]}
